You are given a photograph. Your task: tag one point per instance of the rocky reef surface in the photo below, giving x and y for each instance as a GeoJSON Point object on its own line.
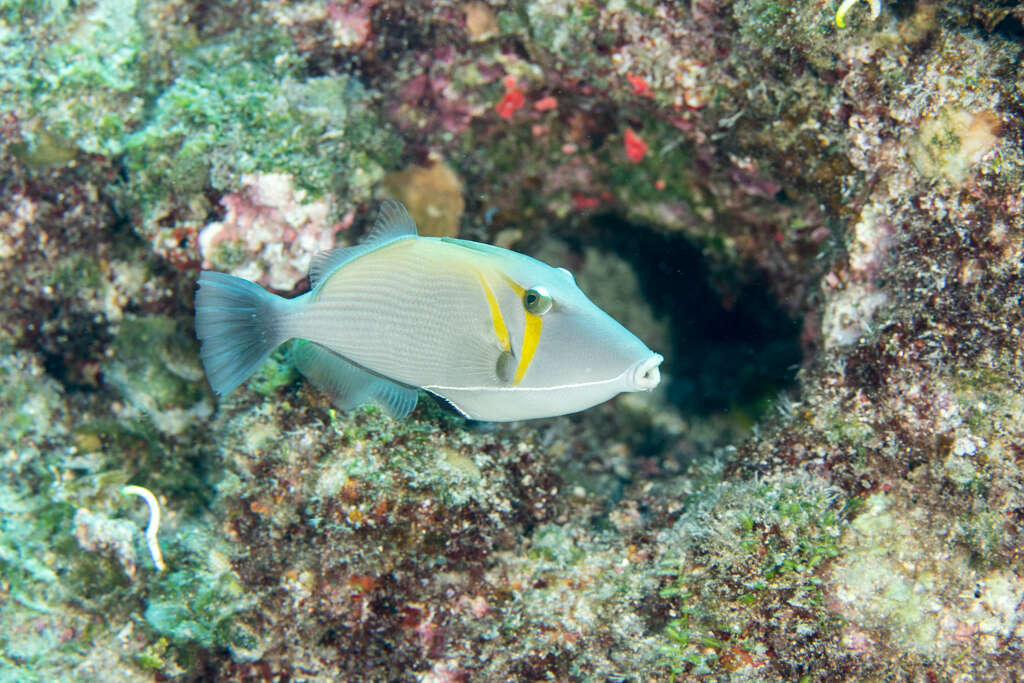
{"type": "Point", "coordinates": [821, 227]}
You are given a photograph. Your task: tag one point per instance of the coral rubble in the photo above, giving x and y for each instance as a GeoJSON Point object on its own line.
{"type": "Point", "coordinates": [752, 186]}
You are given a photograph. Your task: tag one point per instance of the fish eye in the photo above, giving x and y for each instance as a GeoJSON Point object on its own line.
{"type": "Point", "coordinates": [536, 300]}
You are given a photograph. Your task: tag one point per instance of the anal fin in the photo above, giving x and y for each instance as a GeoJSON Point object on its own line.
{"type": "Point", "coordinates": [349, 385]}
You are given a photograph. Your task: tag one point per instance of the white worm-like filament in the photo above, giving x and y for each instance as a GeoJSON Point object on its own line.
{"type": "Point", "coordinates": [154, 522]}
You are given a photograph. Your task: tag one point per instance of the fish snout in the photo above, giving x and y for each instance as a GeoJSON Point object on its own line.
{"type": "Point", "coordinates": [645, 375]}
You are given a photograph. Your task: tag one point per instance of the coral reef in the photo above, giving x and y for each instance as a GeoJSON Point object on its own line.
{"type": "Point", "coordinates": [269, 233]}
{"type": "Point", "coordinates": [814, 211]}
{"type": "Point", "coordinates": [433, 195]}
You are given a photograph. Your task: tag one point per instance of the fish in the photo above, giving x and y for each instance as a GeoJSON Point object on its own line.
{"type": "Point", "coordinates": [497, 334]}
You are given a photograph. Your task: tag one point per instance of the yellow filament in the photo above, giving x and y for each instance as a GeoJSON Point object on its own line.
{"type": "Point", "coordinates": [844, 8]}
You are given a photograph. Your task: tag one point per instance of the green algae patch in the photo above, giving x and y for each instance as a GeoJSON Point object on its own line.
{"type": "Point", "coordinates": [26, 564]}
{"type": "Point", "coordinates": [183, 108]}
{"type": "Point", "coordinates": [155, 370]}
{"type": "Point", "coordinates": [52, 589]}
{"type": "Point", "coordinates": [744, 554]}
{"type": "Point", "coordinates": [198, 607]}
{"type": "Point", "coordinates": [276, 372]}
{"type": "Point", "coordinates": [83, 89]}
{"type": "Point", "coordinates": [30, 402]}
{"type": "Point", "coordinates": [226, 115]}
{"type": "Point", "coordinates": [555, 544]}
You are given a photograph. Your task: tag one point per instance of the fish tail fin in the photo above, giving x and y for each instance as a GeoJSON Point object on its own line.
{"type": "Point", "coordinates": [238, 324]}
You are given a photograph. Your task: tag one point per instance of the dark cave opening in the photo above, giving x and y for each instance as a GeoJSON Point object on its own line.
{"type": "Point", "coordinates": [732, 346]}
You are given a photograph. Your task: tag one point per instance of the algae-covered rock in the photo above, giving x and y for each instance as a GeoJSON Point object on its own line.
{"type": "Point", "coordinates": [818, 222]}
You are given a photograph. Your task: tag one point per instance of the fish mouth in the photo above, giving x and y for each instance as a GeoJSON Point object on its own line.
{"type": "Point", "coordinates": [645, 375]}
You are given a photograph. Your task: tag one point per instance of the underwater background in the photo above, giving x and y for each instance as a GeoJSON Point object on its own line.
{"type": "Point", "coordinates": [814, 211]}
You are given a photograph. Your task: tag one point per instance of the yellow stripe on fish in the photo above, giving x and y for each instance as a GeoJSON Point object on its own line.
{"type": "Point", "coordinates": [500, 328]}
{"type": "Point", "coordinates": [531, 339]}
{"type": "Point", "coordinates": [531, 334]}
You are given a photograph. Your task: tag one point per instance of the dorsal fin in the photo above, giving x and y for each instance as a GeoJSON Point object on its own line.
{"type": "Point", "coordinates": [393, 223]}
